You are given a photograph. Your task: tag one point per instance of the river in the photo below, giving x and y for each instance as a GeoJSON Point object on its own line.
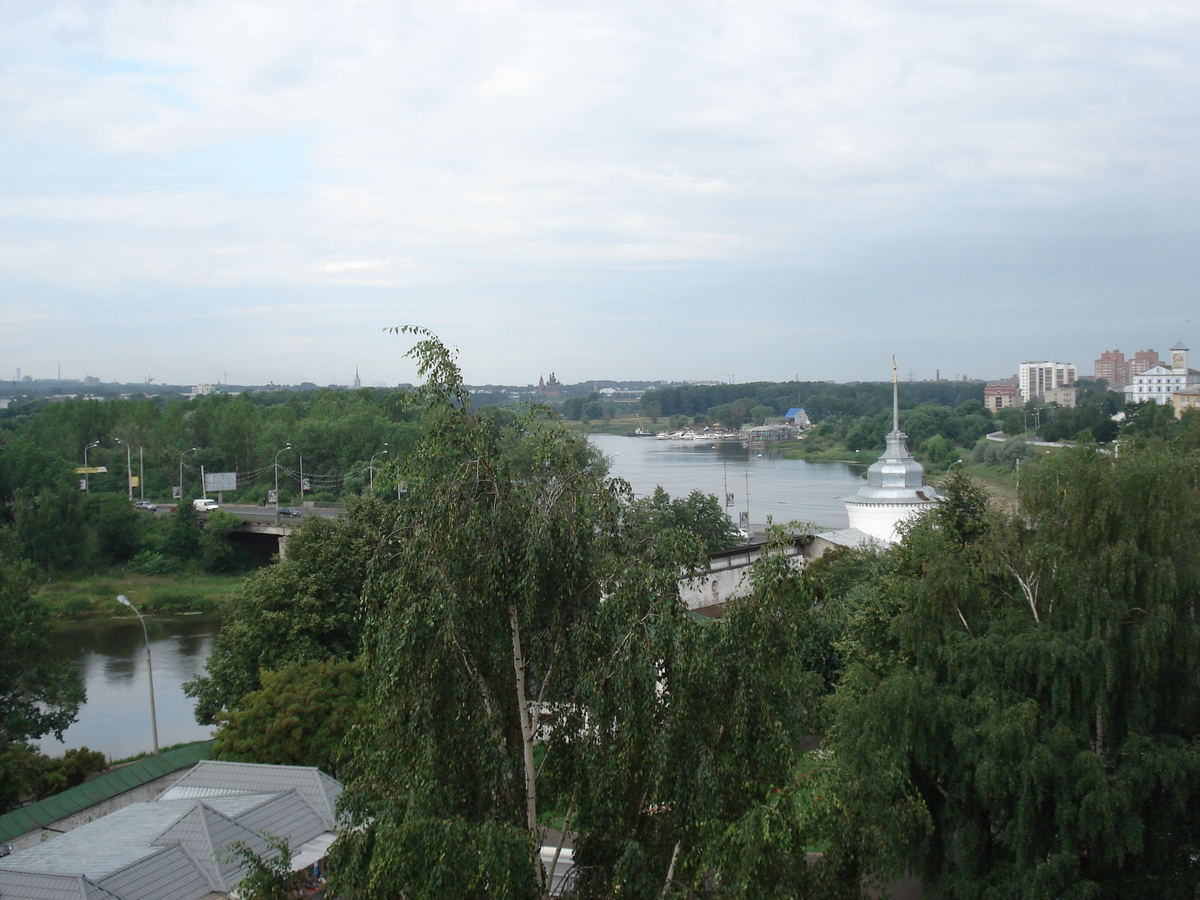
{"type": "Point", "coordinates": [759, 478]}
{"type": "Point", "coordinates": [110, 655]}
{"type": "Point", "coordinates": [110, 652]}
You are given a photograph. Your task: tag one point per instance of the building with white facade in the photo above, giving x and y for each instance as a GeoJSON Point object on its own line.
{"type": "Point", "coordinates": [1035, 379]}
{"type": "Point", "coordinates": [1159, 383]}
{"type": "Point", "coordinates": [895, 490]}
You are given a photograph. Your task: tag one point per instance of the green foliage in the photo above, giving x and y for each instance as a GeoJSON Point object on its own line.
{"type": "Point", "coordinates": [1036, 682]}
{"type": "Point", "coordinates": [266, 876]}
{"type": "Point", "coordinates": [1003, 454]}
{"type": "Point", "coordinates": [488, 573]}
{"type": "Point", "coordinates": [300, 717]}
{"type": "Point", "coordinates": [57, 775]}
{"type": "Point", "coordinates": [36, 698]}
{"type": "Point", "coordinates": [117, 526]}
{"type": "Point", "coordinates": [304, 608]}
{"type": "Point", "coordinates": [217, 552]}
{"type": "Point", "coordinates": [504, 598]}
{"type": "Point", "coordinates": [654, 522]}
{"type": "Point", "coordinates": [182, 540]}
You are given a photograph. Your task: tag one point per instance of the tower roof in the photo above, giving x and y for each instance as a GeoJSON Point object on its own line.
{"type": "Point", "coordinates": [895, 488]}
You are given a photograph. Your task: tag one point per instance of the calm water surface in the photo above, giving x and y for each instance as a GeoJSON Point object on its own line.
{"type": "Point", "coordinates": [110, 655]}
{"type": "Point", "coordinates": [760, 479]}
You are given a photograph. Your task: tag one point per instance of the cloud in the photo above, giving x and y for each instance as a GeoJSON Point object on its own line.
{"type": "Point", "coordinates": [681, 167]}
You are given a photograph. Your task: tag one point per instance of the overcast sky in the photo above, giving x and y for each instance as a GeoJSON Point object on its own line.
{"type": "Point", "coordinates": [250, 191]}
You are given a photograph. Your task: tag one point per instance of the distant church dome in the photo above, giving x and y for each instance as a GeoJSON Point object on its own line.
{"type": "Point", "coordinates": [895, 490]}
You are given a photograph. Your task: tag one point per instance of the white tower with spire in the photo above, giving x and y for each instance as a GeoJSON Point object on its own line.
{"type": "Point", "coordinates": [895, 490]}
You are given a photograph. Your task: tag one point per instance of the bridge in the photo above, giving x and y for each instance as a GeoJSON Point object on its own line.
{"type": "Point", "coordinates": [262, 520]}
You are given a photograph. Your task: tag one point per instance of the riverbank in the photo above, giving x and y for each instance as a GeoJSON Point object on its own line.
{"type": "Point", "coordinates": [84, 595]}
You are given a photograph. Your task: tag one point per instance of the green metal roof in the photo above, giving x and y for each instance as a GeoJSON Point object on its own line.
{"type": "Point", "coordinates": [107, 786]}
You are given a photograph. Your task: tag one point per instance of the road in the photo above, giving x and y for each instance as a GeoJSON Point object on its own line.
{"type": "Point", "coordinates": [260, 514]}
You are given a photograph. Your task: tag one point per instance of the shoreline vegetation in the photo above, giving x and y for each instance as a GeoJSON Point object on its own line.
{"type": "Point", "coordinates": [96, 594]}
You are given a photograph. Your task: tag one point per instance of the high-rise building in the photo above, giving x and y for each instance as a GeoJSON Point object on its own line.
{"type": "Point", "coordinates": [1113, 367]}
{"type": "Point", "coordinates": [1118, 371]}
{"type": "Point", "coordinates": [1142, 361]}
{"type": "Point", "coordinates": [1036, 378]}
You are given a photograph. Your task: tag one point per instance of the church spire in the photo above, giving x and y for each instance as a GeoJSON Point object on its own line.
{"type": "Point", "coordinates": [895, 398]}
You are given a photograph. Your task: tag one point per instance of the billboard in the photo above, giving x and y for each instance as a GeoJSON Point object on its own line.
{"type": "Point", "coordinates": [220, 481]}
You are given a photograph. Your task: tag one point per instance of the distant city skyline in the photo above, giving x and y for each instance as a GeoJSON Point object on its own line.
{"type": "Point", "coordinates": [666, 191]}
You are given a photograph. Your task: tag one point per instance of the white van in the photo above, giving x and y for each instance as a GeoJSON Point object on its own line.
{"type": "Point", "coordinates": [205, 505]}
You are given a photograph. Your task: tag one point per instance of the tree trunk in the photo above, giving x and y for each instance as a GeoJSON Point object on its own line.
{"type": "Point", "coordinates": [526, 723]}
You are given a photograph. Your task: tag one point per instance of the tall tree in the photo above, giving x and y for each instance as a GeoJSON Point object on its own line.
{"type": "Point", "coordinates": [36, 697]}
{"type": "Point", "coordinates": [473, 610]}
{"type": "Point", "coordinates": [506, 614]}
{"type": "Point", "coordinates": [1037, 681]}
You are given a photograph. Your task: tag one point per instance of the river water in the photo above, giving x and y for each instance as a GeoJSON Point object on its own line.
{"type": "Point", "coordinates": [110, 653]}
{"type": "Point", "coordinates": [760, 479]}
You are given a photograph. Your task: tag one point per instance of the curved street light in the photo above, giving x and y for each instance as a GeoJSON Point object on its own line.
{"type": "Point", "coordinates": [371, 465]}
{"type": "Point", "coordinates": [287, 446]}
{"type": "Point", "coordinates": [124, 601]}
{"type": "Point", "coordinates": [87, 485]}
{"type": "Point", "coordinates": [128, 467]}
{"type": "Point", "coordinates": [181, 456]}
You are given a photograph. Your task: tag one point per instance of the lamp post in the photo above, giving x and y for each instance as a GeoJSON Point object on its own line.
{"type": "Point", "coordinates": [141, 474]}
{"type": "Point", "coordinates": [124, 601]}
{"type": "Point", "coordinates": [87, 485]}
{"type": "Point", "coordinates": [181, 456]}
{"type": "Point", "coordinates": [128, 466]}
{"type": "Point", "coordinates": [371, 465]}
{"type": "Point", "coordinates": [287, 446]}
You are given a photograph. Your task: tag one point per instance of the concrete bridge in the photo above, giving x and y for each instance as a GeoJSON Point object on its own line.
{"type": "Point", "coordinates": [729, 573]}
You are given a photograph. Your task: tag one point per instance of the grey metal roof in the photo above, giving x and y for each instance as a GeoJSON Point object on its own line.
{"type": "Point", "coordinates": [166, 875]}
{"type": "Point", "coordinates": [285, 815]}
{"type": "Point", "coordinates": [40, 886]}
{"type": "Point", "coordinates": [212, 778]}
{"type": "Point", "coordinates": [852, 537]}
{"type": "Point", "coordinates": [100, 847]}
{"type": "Point", "coordinates": [177, 847]}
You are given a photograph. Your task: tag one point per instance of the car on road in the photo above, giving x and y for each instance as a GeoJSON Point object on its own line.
{"type": "Point", "coordinates": [290, 511]}
{"type": "Point", "coordinates": [145, 504]}
{"type": "Point", "coordinates": [204, 505]}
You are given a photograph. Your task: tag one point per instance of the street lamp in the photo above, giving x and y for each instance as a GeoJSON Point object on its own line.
{"type": "Point", "coordinates": [287, 446]}
{"type": "Point", "coordinates": [128, 466]}
{"type": "Point", "coordinates": [181, 456]}
{"type": "Point", "coordinates": [371, 465]}
{"type": "Point", "coordinates": [87, 485]}
{"type": "Point", "coordinates": [124, 601]}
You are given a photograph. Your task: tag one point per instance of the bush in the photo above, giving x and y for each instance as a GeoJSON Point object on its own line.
{"type": "Point", "coordinates": [153, 562]}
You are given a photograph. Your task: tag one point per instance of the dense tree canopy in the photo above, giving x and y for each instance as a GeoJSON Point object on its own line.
{"type": "Point", "coordinates": [1038, 682]}
{"type": "Point", "coordinates": [304, 608]}
{"type": "Point", "coordinates": [502, 610]}
{"type": "Point", "coordinates": [36, 698]}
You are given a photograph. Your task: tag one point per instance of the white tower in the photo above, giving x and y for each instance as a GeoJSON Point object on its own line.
{"type": "Point", "coordinates": [895, 490]}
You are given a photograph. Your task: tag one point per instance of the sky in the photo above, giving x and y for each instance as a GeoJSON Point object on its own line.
{"type": "Point", "coordinates": [252, 192]}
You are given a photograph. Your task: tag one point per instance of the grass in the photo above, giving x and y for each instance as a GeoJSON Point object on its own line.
{"type": "Point", "coordinates": [87, 594]}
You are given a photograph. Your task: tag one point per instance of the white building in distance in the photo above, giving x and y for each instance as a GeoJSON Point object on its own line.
{"type": "Point", "coordinates": [1042, 377]}
{"type": "Point", "coordinates": [1160, 382]}
{"type": "Point", "coordinates": [895, 490]}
